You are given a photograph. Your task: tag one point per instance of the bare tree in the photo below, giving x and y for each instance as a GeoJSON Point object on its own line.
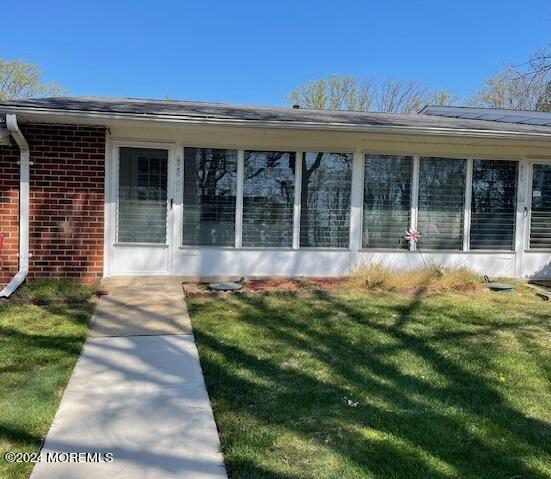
{"type": "Point", "coordinates": [338, 92]}
{"type": "Point", "coordinates": [512, 88]}
{"type": "Point", "coordinates": [20, 80]}
{"type": "Point", "coordinates": [398, 96]}
{"type": "Point", "coordinates": [540, 62]}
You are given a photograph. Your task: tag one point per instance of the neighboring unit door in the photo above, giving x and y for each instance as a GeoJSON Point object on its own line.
{"type": "Point", "coordinates": [536, 261]}
{"type": "Point", "coordinates": [143, 221]}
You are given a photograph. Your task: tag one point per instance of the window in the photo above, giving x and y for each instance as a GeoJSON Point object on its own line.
{"type": "Point", "coordinates": [540, 218]}
{"type": "Point", "coordinates": [210, 178]}
{"type": "Point", "coordinates": [493, 204]}
{"type": "Point", "coordinates": [268, 199]}
{"type": "Point", "coordinates": [325, 200]}
{"type": "Point", "coordinates": [441, 203]}
{"type": "Point", "coordinates": [142, 195]}
{"type": "Point", "coordinates": [387, 201]}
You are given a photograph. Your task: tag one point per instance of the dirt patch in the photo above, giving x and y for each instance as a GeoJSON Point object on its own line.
{"type": "Point", "coordinates": [268, 285]}
{"type": "Point", "coordinates": [424, 291]}
{"type": "Point", "coordinates": [325, 283]}
{"type": "Point", "coordinates": [272, 284]}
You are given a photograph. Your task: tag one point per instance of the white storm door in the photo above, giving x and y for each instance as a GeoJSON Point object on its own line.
{"type": "Point", "coordinates": [536, 260]}
{"type": "Point", "coordinates": [143, 219]}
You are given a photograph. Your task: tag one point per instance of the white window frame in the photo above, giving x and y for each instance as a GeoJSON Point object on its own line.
{"type": "Point", "coordinates": [414, 212]}
{"type": "Point", "coordinates": [518, 189]}
{"type": "Point", "coordinates": [298, 199]}
{"type": "Point", "coordinates": [241, 182]}
{"type": "Point", "coordinates": [412, 224]}
{"type": "Point", "coordinates": [466, 202]}
{"type": "Point", "coordinates": [414, 207]}
{"type": "Point", "coordinates": [357, 193]}
{"type": "Point", "coordinates": [239, 199]}
{"type": "Point", "coordinates": [179, 197]}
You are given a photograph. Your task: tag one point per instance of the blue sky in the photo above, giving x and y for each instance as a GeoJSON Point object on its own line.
{"type": "Point", "coordinates": [255, 52]}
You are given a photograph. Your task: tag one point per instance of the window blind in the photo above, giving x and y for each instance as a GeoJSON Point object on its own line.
{"type": "Point", "coordinates": [325, 200]}
{"type": "Point", "coordinates": [268, 199]}
{"type": "Point", "coordinates": [441, 203]}
{"type": "Point", "coordinates": [493, 205]}
{"type": "Point", "coordinates": [387, 201]}
{"type": "Point", "coordinates": [540, 217]}
{"type": "Point", "coordinates": [210, 179]}
{"type": "Point", "coordinates": [142, 202]}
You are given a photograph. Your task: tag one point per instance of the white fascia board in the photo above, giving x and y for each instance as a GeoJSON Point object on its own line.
{"type": "Point", "coordinates": [96, 117]}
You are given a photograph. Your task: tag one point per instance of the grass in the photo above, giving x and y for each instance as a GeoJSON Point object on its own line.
{"type": "Point", "coordinates": [360, 384]}
{"type": "Point", "coordinates": [39, 345]}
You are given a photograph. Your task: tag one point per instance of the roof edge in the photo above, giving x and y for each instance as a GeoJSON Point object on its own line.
{"type": "Point", "coordinates": [335, 126]}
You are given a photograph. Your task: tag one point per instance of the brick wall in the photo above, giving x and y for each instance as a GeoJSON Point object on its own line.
{"type": "Point", "coordinates": [66, 202]}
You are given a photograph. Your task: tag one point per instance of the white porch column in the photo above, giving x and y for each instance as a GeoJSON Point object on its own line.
{"type": "Point", "coordinates": [239, 199]}
{"type": "Point", "coordinates": [297, 200]}
{"type": "Point", "coordinates": [521, 224]}
{"type": "Point", "coordinates": [356, 207]}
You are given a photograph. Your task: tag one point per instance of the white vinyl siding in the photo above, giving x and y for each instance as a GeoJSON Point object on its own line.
{"type": "Point", "coordinates": [540, 217]}
{"type": "Point", "coordinates": [493, 205]}
{"type": "Point", "coordinates": [142, 198]}
{"type": "Point", "coordinates": [387, 201]}
{"type": "Point", "coordinates": [441, 205]}
{"type": "Point", "coordinates": [210, 180]}
{"type": "Point", "coordinates": [268, 199]}
{"type": "Point", "coordinates": [325, 200]}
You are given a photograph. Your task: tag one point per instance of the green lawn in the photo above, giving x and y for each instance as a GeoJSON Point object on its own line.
{"type": "Point", "coordinates": [39, 345]}
{"type": "Point", "coordinates": [379, 385]}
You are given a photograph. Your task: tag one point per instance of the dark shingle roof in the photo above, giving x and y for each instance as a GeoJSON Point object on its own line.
{"type": "Point", "coordinates": [504, 115]}
{"type": "Point", "coordinates": [192, 110]}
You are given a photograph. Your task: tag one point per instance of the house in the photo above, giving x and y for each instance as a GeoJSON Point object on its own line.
{"type": "Point", "coordinates": [93, 187]}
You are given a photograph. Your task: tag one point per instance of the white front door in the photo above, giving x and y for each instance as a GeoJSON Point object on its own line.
{"type": "Point", "coordinates": [142, 219]}
{"type": "Point", "coordinates": [536, 260]}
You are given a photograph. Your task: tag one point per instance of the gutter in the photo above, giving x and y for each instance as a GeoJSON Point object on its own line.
{"type": "Point", "coordinates": [24, 176]}
{"type": "Point", "coordinates": [299, 125]}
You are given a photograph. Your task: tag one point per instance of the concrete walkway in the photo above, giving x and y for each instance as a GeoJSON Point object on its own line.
{"type": "Point", "coordinates": [137, 392]}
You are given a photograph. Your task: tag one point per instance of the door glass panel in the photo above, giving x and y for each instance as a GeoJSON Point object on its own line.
{"type": "Point", "coordinates": [142, 208]}
{"type": "Point", "coordinates": [493, 204]}
{"type": "Point", "coordinates": [540, 218]}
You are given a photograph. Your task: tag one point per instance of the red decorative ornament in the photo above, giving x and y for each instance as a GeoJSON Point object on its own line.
{"type": "Point", "coordinates": [412, 235]}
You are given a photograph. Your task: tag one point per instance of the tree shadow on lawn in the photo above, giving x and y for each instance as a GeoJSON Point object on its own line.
{"type": "Point", "coordinates": [405, 425]}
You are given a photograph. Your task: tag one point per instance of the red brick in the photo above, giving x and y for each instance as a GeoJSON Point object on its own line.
{"type": "Point", "coordinates": [66, 202]}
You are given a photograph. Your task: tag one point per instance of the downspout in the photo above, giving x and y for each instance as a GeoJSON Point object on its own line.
{"type": "Point", "coordinates": [24, 175]}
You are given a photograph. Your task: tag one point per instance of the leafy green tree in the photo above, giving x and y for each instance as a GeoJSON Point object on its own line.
{"type": "Point", "coordinates": [21, 80]}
